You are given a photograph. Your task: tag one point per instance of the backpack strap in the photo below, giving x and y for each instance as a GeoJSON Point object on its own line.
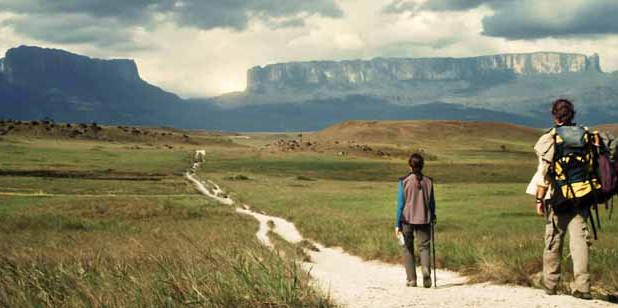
{"type": "Point", "coordinates": [405, 176]}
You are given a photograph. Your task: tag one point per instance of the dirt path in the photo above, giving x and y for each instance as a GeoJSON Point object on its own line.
{"type": "Point", "coordinates": [352, 282]}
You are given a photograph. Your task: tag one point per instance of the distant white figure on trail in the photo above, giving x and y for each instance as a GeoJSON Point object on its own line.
{"type": "Point", "coordinates": [194, 167]}
{"type": "Point", "coordinates": [199, 155]}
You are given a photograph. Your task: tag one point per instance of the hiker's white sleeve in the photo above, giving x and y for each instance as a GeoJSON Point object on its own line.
{"type": "Point", "coordinates": [539, 178]}
{"type": "Point", "coordinates": [544, 148]}
{"type": "Point", "coordinates": [543, 170]}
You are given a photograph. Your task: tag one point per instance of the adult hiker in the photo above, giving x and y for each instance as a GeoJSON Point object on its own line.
{"type": "Point", "coordinates": [416, 211]}
{"type": "Point", "coordinates": [565, 187]}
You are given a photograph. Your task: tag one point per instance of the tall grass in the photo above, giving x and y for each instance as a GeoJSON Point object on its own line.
{"type": "Point", "coordinates": [176, 251]}
{"type": "Point", "coordinates": [212, 278]}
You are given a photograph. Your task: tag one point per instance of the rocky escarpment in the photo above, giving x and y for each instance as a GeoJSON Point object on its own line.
{"type": "Point", "coordinates": [38, 82]}
{"type": "Point", "coordinates": [351, 73]}
{"type": "Point", "coordinates": [42, 67]}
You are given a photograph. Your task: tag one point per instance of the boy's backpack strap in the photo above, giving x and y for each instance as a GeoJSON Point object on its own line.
{"type": "Point", "coordinates": [405, 176]}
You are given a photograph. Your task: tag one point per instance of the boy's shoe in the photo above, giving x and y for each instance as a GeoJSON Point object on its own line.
{"type": "Point", "coordinates": [549, 291]}
{"type": "Point", "coordinates": [582, 295]}
{"type": "Point", "coordinates": [427, 282]}
{"type": "Point", "coordinates": [411, 283]}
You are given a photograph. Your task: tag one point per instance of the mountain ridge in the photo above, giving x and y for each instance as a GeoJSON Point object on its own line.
{"type": "Point", "coordinates": [37, 83]}
{"type": "Point", "coordinates": [353, 73]}
{"type": "Point", "coordinates": [41, 82]}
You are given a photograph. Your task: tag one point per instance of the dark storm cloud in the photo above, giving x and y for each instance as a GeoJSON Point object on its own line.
{"type": "Point", "coordinates": [121, 9]}
{"type": "Point", "coordinates": [108, 20]}
{"type": "Point", "coordinates": [530, 19]}
{"type": "Point", "coordinates": [83, 30]}
{"type": "Point", "coordinates": [520, 22]}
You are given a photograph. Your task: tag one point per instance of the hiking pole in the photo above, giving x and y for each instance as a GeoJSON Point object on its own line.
{"type": "Point", "coordinates": [433, 247]}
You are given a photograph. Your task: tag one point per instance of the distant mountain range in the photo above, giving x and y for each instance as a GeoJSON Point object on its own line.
{"type": "Point", "coordinates": [36, 83]}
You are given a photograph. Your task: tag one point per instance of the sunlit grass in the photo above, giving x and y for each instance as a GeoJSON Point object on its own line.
{"type": "Point", "coordinates": [140, 252]}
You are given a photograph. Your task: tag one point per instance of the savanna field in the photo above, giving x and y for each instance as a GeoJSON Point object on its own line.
{"type": "Point", "coordinates": [104, 217]}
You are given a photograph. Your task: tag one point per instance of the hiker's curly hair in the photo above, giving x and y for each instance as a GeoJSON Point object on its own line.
{"type": "Point", "coordinates": [563, 111]}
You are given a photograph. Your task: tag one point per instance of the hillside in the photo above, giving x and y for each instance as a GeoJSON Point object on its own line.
{"type": "Point", "coordinates": [613, 128]}
{"type": "Point", "coordinates": [153, 136]}
{"type": "Point", "coordinates": [401, 132]}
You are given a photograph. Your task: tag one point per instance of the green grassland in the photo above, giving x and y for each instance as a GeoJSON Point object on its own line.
{"type": "Point", "coordinates": [110, 221]}
{"type": "Point", "coordinates": [487, 227]}
{"type": "Point", "coordinates": [113, 223]}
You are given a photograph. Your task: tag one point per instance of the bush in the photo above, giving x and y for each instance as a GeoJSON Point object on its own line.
{"type": "Point", "coordinates": [239, 177]}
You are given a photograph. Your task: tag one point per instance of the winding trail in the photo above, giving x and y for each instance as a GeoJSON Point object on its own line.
{"type": "Point", "coordinates": [353, 282]}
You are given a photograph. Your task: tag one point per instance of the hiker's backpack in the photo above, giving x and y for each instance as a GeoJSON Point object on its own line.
{"type": "Point", "coordinates": [608, 170]}
{"type": "Point", "coordinates": [607, 167]}
{"type": "Point", "coordinates": [573, 171]}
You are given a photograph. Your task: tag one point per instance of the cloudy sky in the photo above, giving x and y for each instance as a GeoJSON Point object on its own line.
{"type": "Point", "coordinates": [200, 48]}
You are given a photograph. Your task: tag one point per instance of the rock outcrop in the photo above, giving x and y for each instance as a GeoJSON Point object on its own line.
{"type": "Point", "coordinates": [357, 72]}
{"type": "Point", "coordinates": [38, 82]}
{"type": "Point", "coordinates": [27, 65]}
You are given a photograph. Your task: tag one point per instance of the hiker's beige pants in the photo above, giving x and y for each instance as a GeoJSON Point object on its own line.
{"type": "Point", "coordinates": [575, 224]}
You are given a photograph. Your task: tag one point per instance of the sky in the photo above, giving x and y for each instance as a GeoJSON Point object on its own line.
{"type": "Point", "coordinates": [201, 48]}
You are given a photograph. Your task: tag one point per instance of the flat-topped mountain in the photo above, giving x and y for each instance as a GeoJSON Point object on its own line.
{"type": "Point", "coordinates": [38, 82]}
{"type": "Point", "coordinates": [30, 66]}
{"type": "Point", "coordinates": [379, 70]}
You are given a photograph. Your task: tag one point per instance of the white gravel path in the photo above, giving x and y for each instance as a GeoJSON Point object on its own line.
{"type": "Point", "coordinates": [352, 282]}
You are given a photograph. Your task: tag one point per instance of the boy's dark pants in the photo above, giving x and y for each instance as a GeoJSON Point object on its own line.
{"type": "Point", "coordinates": [423, 235]}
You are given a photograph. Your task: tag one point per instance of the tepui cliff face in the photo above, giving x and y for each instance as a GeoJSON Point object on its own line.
{"type": "Point", "coordinates": [27, 65]}
{"type": "Point", "coordinates": [357, 72]}
{"type": "Point", "coordinates": [38, 82]}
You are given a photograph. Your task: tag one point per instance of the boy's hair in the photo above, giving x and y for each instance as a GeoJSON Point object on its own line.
{"type": "Point", "coordinates": [563, 111]}
{"type": "Point", "coordinates": [416, 162]}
